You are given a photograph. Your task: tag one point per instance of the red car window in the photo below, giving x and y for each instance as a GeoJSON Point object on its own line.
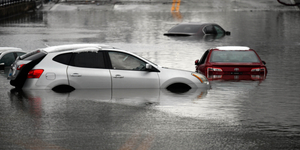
{"type": "Point", "coordinates": [234, 56]}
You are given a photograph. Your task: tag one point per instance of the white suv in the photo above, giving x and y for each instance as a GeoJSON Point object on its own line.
{"type": "Point", "coordinates": [95, 66]}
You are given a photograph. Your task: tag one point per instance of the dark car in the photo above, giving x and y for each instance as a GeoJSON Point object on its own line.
{"type": "Point", "coordinates": [231, 63]}
{"type": "Point", "coordinates": [8, 55]}
{"type": "Point", "coordinates": [200, 30]}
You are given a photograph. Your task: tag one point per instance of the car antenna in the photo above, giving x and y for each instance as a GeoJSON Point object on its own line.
{"type": "Point", "coordinates": [46, 45]}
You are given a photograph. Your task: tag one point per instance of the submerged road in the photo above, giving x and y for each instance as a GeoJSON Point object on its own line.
{"type": "Point", "coordinates": [231, 115]}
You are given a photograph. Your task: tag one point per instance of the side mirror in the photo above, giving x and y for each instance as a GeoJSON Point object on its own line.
{"type": "Point", "coordinates": [197, 62]}
{"type": "Point", "coordinates": [2, 65]}
{"type": "Point", "coordinates": [264, 62]}
{"type": "Point", "coordinates": [148, 67]}
{"type": "Point", "coordinates": [151, 68]}
{"type": "Point", "coordinates": [227, 33]}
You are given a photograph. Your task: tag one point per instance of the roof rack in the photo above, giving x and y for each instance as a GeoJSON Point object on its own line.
{"type": "Point", "coordinates": [69, 47]}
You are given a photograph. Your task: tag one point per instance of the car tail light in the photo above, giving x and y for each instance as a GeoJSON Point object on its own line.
{"type": "Point", "coordinates": [20, 66]}
{"type": "Point", "coordinates": [258, 70]}
{"type": "Point", "coordinates": [213, 70]}
{"type": "Point", "coordinates": [35, 73]}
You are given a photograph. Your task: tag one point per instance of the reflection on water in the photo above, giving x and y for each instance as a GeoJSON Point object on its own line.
{"type": "Point", "coordinates": [131, 97]}
{"type": "Point", "coordinates": [206, 38]}
{"type": "Point", "coordinates": [51, 111]}
{"type": "Point", "coordinates": [238, 103]}
{"type": "Point", "coordinates": [254, 108]}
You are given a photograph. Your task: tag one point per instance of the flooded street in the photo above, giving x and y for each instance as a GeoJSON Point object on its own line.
{"type": "Point", "coordinates": [231, 115]}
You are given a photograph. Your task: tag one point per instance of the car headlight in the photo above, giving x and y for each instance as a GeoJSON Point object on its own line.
{"type": "Point", "coordinates": [201, 78]}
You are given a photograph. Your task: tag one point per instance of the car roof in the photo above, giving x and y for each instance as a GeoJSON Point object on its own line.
{"type": "Point", "coordinates": [193, 23]}
{"type": "Point", "coordinates": [76, 47]}
{"type": "Point", "coordinates": [3, 49]}
{"type": "Point", "coordinates": [196, 23]}
{"type": "Point", "coordinates": [232, 48]}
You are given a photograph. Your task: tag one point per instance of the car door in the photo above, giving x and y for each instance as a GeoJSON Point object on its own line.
{"type": "Point", "coordinates": [87, 71]}
{"type": "Point", "coordinates": [202, 66]}
{"type": "Point", "coordinates": [129, 71]}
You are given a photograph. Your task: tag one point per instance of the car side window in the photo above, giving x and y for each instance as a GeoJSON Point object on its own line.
{"type": "Point", "coordinates": [209, 30]}
{"type": "Point", "coordinates": [88, 60]}
{"type": "Point", "coordinates": [203, 58]}
{"type": "Point", "coordinates": [8, 59]}
{"type": "Point", "coordinates": [125, 61]}
{"type": "Point", "coordinates": [63, 58]}
{"type": "Point", "coordinates": [219, 30]}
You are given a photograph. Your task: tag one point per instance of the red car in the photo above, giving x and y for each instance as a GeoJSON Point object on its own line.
{"type": "Point", "coordinates": [231, 63]}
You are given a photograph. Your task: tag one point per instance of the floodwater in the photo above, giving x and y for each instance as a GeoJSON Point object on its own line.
{"type": "Point", "coordinates": [230, 115]}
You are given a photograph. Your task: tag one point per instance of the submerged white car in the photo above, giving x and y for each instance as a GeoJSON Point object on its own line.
{"type": "Point", "coordinates": [8, 55]}
{"type": "Point", "coordinates": [96, 66]}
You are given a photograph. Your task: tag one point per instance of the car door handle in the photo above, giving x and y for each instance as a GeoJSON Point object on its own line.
{"type": "Point", "coordinates": [118, 76]}
{"type": "Point", "coordinates": [76, 75]}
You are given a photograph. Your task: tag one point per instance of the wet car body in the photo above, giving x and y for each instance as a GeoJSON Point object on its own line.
{"type": "Point", "coordinates": [95, 66]}
{"type": "Point", "coordinates": [206, 31]}
{"type": "Point", "coordinates": [8, 55]}
{"type": "Point", "coordinates": [231, 63]}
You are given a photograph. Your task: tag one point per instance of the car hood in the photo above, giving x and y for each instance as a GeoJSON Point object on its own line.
{"type": "Point", "coordinates": [174, 69]}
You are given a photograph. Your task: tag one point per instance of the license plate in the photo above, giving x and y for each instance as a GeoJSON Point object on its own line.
{"type": "Point", "coordinates": [236, 73]}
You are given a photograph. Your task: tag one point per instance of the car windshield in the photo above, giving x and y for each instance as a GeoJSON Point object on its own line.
{"type": "Point", "coordinates": [185, 29]}
{"type": "Point", "coordinates": [219, 30]}
{"type": "Point", "coordinates": [234, 56]}
{"type": "Point", "coordinates": [148, 60]}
